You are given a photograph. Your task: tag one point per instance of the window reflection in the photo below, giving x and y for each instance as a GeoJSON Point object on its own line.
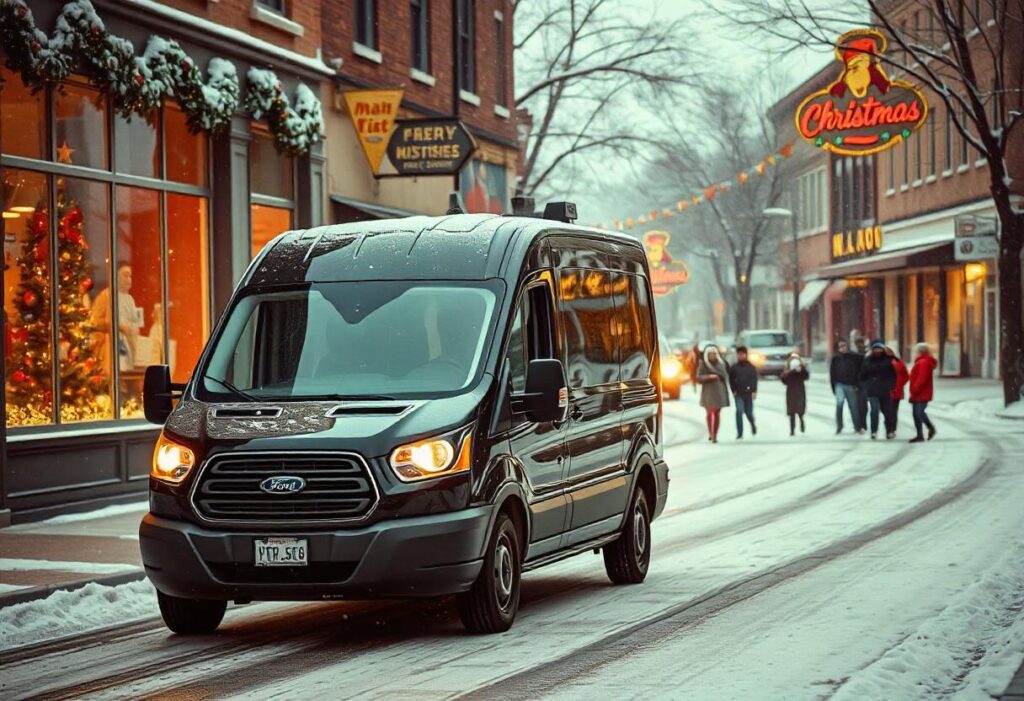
{"type": "Point", "coordinates": [140, 314]}
{"type": "Point", "coordinates": [28, 320]}
{"type": "Point", "coordinates": [136, 145]}
{"type": "Point", "coordinates": [80, 116]}
{"type": "Point", "coordinates": [84, 320]}
{"type": "Point", "coordinates": [588, 317]}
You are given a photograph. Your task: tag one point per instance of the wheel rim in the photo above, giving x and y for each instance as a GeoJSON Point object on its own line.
{"type": "Point", "coordinates": [640, 532]}
{"type": "Point", "coordinates": [504, 572]}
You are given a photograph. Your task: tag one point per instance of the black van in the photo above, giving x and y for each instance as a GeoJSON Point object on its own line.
{"type": "Point", "coordinates": [407, 408]}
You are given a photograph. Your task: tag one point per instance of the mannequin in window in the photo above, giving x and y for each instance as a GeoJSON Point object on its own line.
{"type": "Point", "coordinates": [128, 321]}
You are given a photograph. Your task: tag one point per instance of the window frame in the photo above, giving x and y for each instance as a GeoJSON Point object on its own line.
{"type": "Point", "coordinates": [420, 26]}
{"type": "Point", "coordinates": [367, 29]}
{"type": "Point", "coordinates": [278, 7]}
{"type": "Point", "coordinates": [501, 65]}
{"type": "Point", "coordinates": [110, 178]}
{"type": "Point", "coordinates": [466, 38]}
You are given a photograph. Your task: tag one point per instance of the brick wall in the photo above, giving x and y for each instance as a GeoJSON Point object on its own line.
{"type": "Point", "coordinates": [237, 15]}
{"type": "Point", "coordinates": [394, 27]}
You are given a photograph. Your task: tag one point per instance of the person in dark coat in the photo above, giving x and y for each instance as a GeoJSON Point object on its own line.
{"type": "Point", "coordinates": [861, 349]}
{"type": "Point", "coordinates": [844, 374]}
{"type": "Point", "coordinates": [877, 381]}
{"type": "Point", "coordinates": [743, 383]}
{"type": "Point", "coordinates": [794, 377]}
{"type": "Point", "coordinates": [713, 376]}
{"type": "Point", "coordinates": [921, 390]}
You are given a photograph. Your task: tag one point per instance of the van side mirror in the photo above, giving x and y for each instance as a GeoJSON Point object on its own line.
{"type": "Point", "coordinates": [158, 393]}
{"type": "Point", "coordinates": [547, 395]}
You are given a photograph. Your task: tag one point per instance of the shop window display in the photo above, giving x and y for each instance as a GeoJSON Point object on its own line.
{"type": "Point", "coordinates": [188, 289]}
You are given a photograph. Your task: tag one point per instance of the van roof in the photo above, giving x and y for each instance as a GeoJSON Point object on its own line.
{"type": "Point", "coordinates": [453, 247]}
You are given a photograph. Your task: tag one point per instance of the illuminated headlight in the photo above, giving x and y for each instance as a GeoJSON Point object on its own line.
{"type": "Point", "coordinates": [757, 358]}
{"type": "Point", "coordinates": [433, 457]}
{"type": "Point", "coordinates": [171, 461]}
{"type": "Point", "coordinates": [670, 367]}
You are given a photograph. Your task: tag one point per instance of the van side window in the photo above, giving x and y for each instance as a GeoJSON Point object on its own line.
{"type": "Point", "coordinates": [530, 337]}
{"type": "Point", "coordinates": [590, 326]}
{"type": "Point", "coordinates": [637, 338]}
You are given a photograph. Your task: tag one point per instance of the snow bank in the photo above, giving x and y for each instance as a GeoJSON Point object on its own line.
{"type": "Point", "coordinates": [1014, 411]}
{"type": "Point", "coordinates": [105, 512]}
{"type": "Point", "coordinates": [68, 612]}
{"type": "Point", "coordinates": [970, 650]}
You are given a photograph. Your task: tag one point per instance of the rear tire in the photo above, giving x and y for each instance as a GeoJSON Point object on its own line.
{"type": "Point", "coordinates": [190, 616]}
{"type": "Point", "coordinates": [491, 604]}
{"type": "Point", "coordinates": [627, 559]}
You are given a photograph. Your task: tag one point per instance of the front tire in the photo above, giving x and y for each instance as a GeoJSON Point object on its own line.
{"type": "Point", "coordinates": [491, 604]}
{"type": "Point", "coordinates": [190, 616]}
{"type": "Point", "coordinates": [627, 559]}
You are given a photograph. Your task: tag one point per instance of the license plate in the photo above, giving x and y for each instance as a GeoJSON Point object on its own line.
{"type": "Point", "coordinates": [281, 552]}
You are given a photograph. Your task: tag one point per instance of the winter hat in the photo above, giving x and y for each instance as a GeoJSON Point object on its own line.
{"type": "Point", "coordinates": [923, 348]}
{"type": "Point", "coordinates": [877, 343]}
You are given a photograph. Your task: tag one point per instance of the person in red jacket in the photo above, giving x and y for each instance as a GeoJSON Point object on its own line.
{"type": "Point", "coordinates": [921, 390]}
{"type": "Point", "coordinates": [902, 376]}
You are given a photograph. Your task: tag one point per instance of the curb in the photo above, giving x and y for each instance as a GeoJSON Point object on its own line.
{"type": "Point", "coordinates": [36, 593]}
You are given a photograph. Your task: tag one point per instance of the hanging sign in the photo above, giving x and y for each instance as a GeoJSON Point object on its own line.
{"type": "Point", "coordinates": [862, 111]}
{"type": "Point", "coordinates": [373, 114]}
{"type": "Point", "coordinates": [430, 146]}
{"type": "Point", "coordinates": [975, 238]}
{"type": "Point", "coordinates": [666, 274]}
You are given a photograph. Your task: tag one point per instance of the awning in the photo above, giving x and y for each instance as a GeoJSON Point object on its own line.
{"type": "Point", "coordinates": [361, 211]}
{"type": "Point", "coordinates": [812, 293]}
{"type": "Point", "coordinates": [920, 256]}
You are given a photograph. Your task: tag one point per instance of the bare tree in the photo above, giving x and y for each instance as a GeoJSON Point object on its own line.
{"type": "Point", "coordinates": [728, 229]}
{"type": "Point", "coordinates": [972, 61]}
{"type": "Point", "coordinates": [582, 69]}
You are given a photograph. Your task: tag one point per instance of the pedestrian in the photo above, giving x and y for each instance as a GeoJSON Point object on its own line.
{"type": "Point", "coordinates": [844, 373]}
{"type": "Point", "coordinates": [861, 346]}
{"type": "Point", "coordinates": [693, 361]}
{"type": "Point", "coordinates": [713, 376]}
{"type": "Point", "coordinates": [902, 377]}
{"type": "Point", "coordinates": [921, 390]}
{"type": "Point", "coordinates": [794, 377]}
{"type": "Point", "coordinates": [877, 381]}
{"type": "Point", "coordinates": [743, 382]}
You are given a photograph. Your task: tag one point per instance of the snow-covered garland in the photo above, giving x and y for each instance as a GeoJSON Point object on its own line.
{"type": "Point", "coordinates": [138, 84]}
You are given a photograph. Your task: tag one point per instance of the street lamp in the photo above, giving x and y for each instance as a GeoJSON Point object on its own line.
{"type": "Point", "coordinates": [783, 213]}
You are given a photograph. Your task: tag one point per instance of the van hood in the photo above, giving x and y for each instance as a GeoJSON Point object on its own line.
{"type": "Point", "coordinates": [371, 428]}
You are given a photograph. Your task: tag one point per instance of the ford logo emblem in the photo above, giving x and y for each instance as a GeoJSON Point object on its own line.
{"type": "Point", "coordinates": [283, 485]}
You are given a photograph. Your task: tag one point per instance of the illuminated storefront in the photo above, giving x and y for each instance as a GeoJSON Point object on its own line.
{"type": "Point", "coordinates": [123, 238]}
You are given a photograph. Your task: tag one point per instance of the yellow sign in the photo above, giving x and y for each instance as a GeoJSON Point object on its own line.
{"type": "Point", "coordinates": [373, 114]}
{"type": "Point", "coordinates": [856, 244]}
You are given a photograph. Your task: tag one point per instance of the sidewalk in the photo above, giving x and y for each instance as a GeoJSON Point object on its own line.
{"type": "Point", "coordinates": [68, 552]}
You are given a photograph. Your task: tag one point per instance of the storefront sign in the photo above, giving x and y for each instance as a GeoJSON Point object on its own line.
{"type": "Point", "coordinates": [975, 238]}
{"type": "Point", "coordinates": [373, 114]}
{"type": "Point", "coordinates": [856, 244]}
{"type": "Point", "coordinates": [862, 111]}
{"type": "Point", "coordinates": [430, 146]}
{"type": "Point", "coordinates": [666, 274]}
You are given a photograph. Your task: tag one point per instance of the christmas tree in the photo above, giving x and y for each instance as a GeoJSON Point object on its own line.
{"type": "Point", "coordinates": [84, 386]}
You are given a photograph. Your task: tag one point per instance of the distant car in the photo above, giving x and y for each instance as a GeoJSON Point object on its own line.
{"type": "Point", "coordinates": [671, 369]}
{"type": "Point", "coordinates": [767, 349]}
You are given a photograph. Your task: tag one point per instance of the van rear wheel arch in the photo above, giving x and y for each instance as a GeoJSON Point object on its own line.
{"type": "Point", "coordinates": [510, 500]}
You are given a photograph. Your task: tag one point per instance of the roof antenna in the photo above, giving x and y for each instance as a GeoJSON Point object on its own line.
{"type": "Point", "coordinates": [454, 206]}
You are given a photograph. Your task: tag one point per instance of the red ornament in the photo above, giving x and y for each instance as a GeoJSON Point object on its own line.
{"type": "Point", "coordinates": [90, 363]}
{"type": "Point", "coordinates": [87, 284]}
{"type": "Point", "coordinates": [30, 298]}
{"type": "Point", "coordinates": [35, 47]}
{"type": "Point", "coordinates": [19, 334]}
{"type": "Point", "coordinates": [42, 251]}
{"type": "Point", "coordinates": [139, 79]}
{"type": "Point", "coordinates": [96, 381]}
{"type": "Point", "coordinates": [26, 360]}
{"type": "Point", "coordinates": [74, 235]}
{"type": "Point", "coordinates": [21, 11]}
{"type": "Point", "coordinates": [19, 376]}
{"type": "Point", "coordinates": [74, 217]}
{"type": "Point", "coordinates": [48, 396]}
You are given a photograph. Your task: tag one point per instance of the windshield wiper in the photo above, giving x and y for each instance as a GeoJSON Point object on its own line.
{"type": "Point", "coordinates": [234, 390]}
{"type": "Point", "coordinates": [349, 397]}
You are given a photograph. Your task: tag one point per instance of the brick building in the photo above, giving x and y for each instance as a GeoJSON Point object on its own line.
{"type": "Point", "coordinates": [159, 217]}
{"type": "Point", "coordinates": [412, 44]}
{"type": "Point", "coordinates": [911, 288]}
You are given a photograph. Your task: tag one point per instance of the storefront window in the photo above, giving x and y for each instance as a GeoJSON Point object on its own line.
{"type": "Point", "coordinates": [910, 318]}
{"type": "Point", "coordinates": [268, 222]}
{"type": "Point", "coordinates": [140, 315]}
{"type": "Point", "coordinates": [137, 146]}
{"type": "Point", "coordinates": [28, 337]}
{"type": "Point", "coordinates": [188, 275]}
{"type": "Point", "coordinates": [271, 182]}
{"type": "Point", "coordinates": [974, 318]}
{"type": "Point", "coordinates": [186, 162]}
{"type": "Point", "coordinates": [85, 298]}
{"type": "Point", "coordinates": [932, 308]}
{"type": "Point", "coordinates": [81, 126]}
{"type": "Point", "coordinates": [86, 345]}
{"type": "Point", "coordinates": [892, 310]}
{"type": "Point", "coordinates": [23, 129]}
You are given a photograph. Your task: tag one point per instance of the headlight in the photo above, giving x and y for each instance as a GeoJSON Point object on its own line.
{"type": "Point", "coordinates": [756, 358]}
{"type": "Point", "coordinates": [670, 367]}
{"type": "Point", "coordinates": [433, 457]}
{"type": "Point", "coordinates": [171, 461]}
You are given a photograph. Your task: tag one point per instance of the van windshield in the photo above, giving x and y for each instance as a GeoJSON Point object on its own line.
{"type": "Point", "coordinates": [763, 339]}
{"type": "Point", "coordinates": [351, 339]}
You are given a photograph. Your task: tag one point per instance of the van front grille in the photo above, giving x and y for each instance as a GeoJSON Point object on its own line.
{"type": "Point", "coordinates": [337, 487]}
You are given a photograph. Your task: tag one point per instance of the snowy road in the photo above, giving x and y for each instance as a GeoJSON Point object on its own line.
{"type": "Point", "coordinates": [798, 568]}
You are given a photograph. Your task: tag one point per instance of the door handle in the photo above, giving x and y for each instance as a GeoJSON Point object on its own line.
{"type": "Point", "coordinates": [575, 413]}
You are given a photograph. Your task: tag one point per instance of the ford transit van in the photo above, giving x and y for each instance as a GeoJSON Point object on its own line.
{"type": "Point", "coordinates": [414, 407]}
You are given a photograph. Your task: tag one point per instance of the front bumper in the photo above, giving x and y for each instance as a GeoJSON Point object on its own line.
{"type": "Point", "coordinates": [423, 556]}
